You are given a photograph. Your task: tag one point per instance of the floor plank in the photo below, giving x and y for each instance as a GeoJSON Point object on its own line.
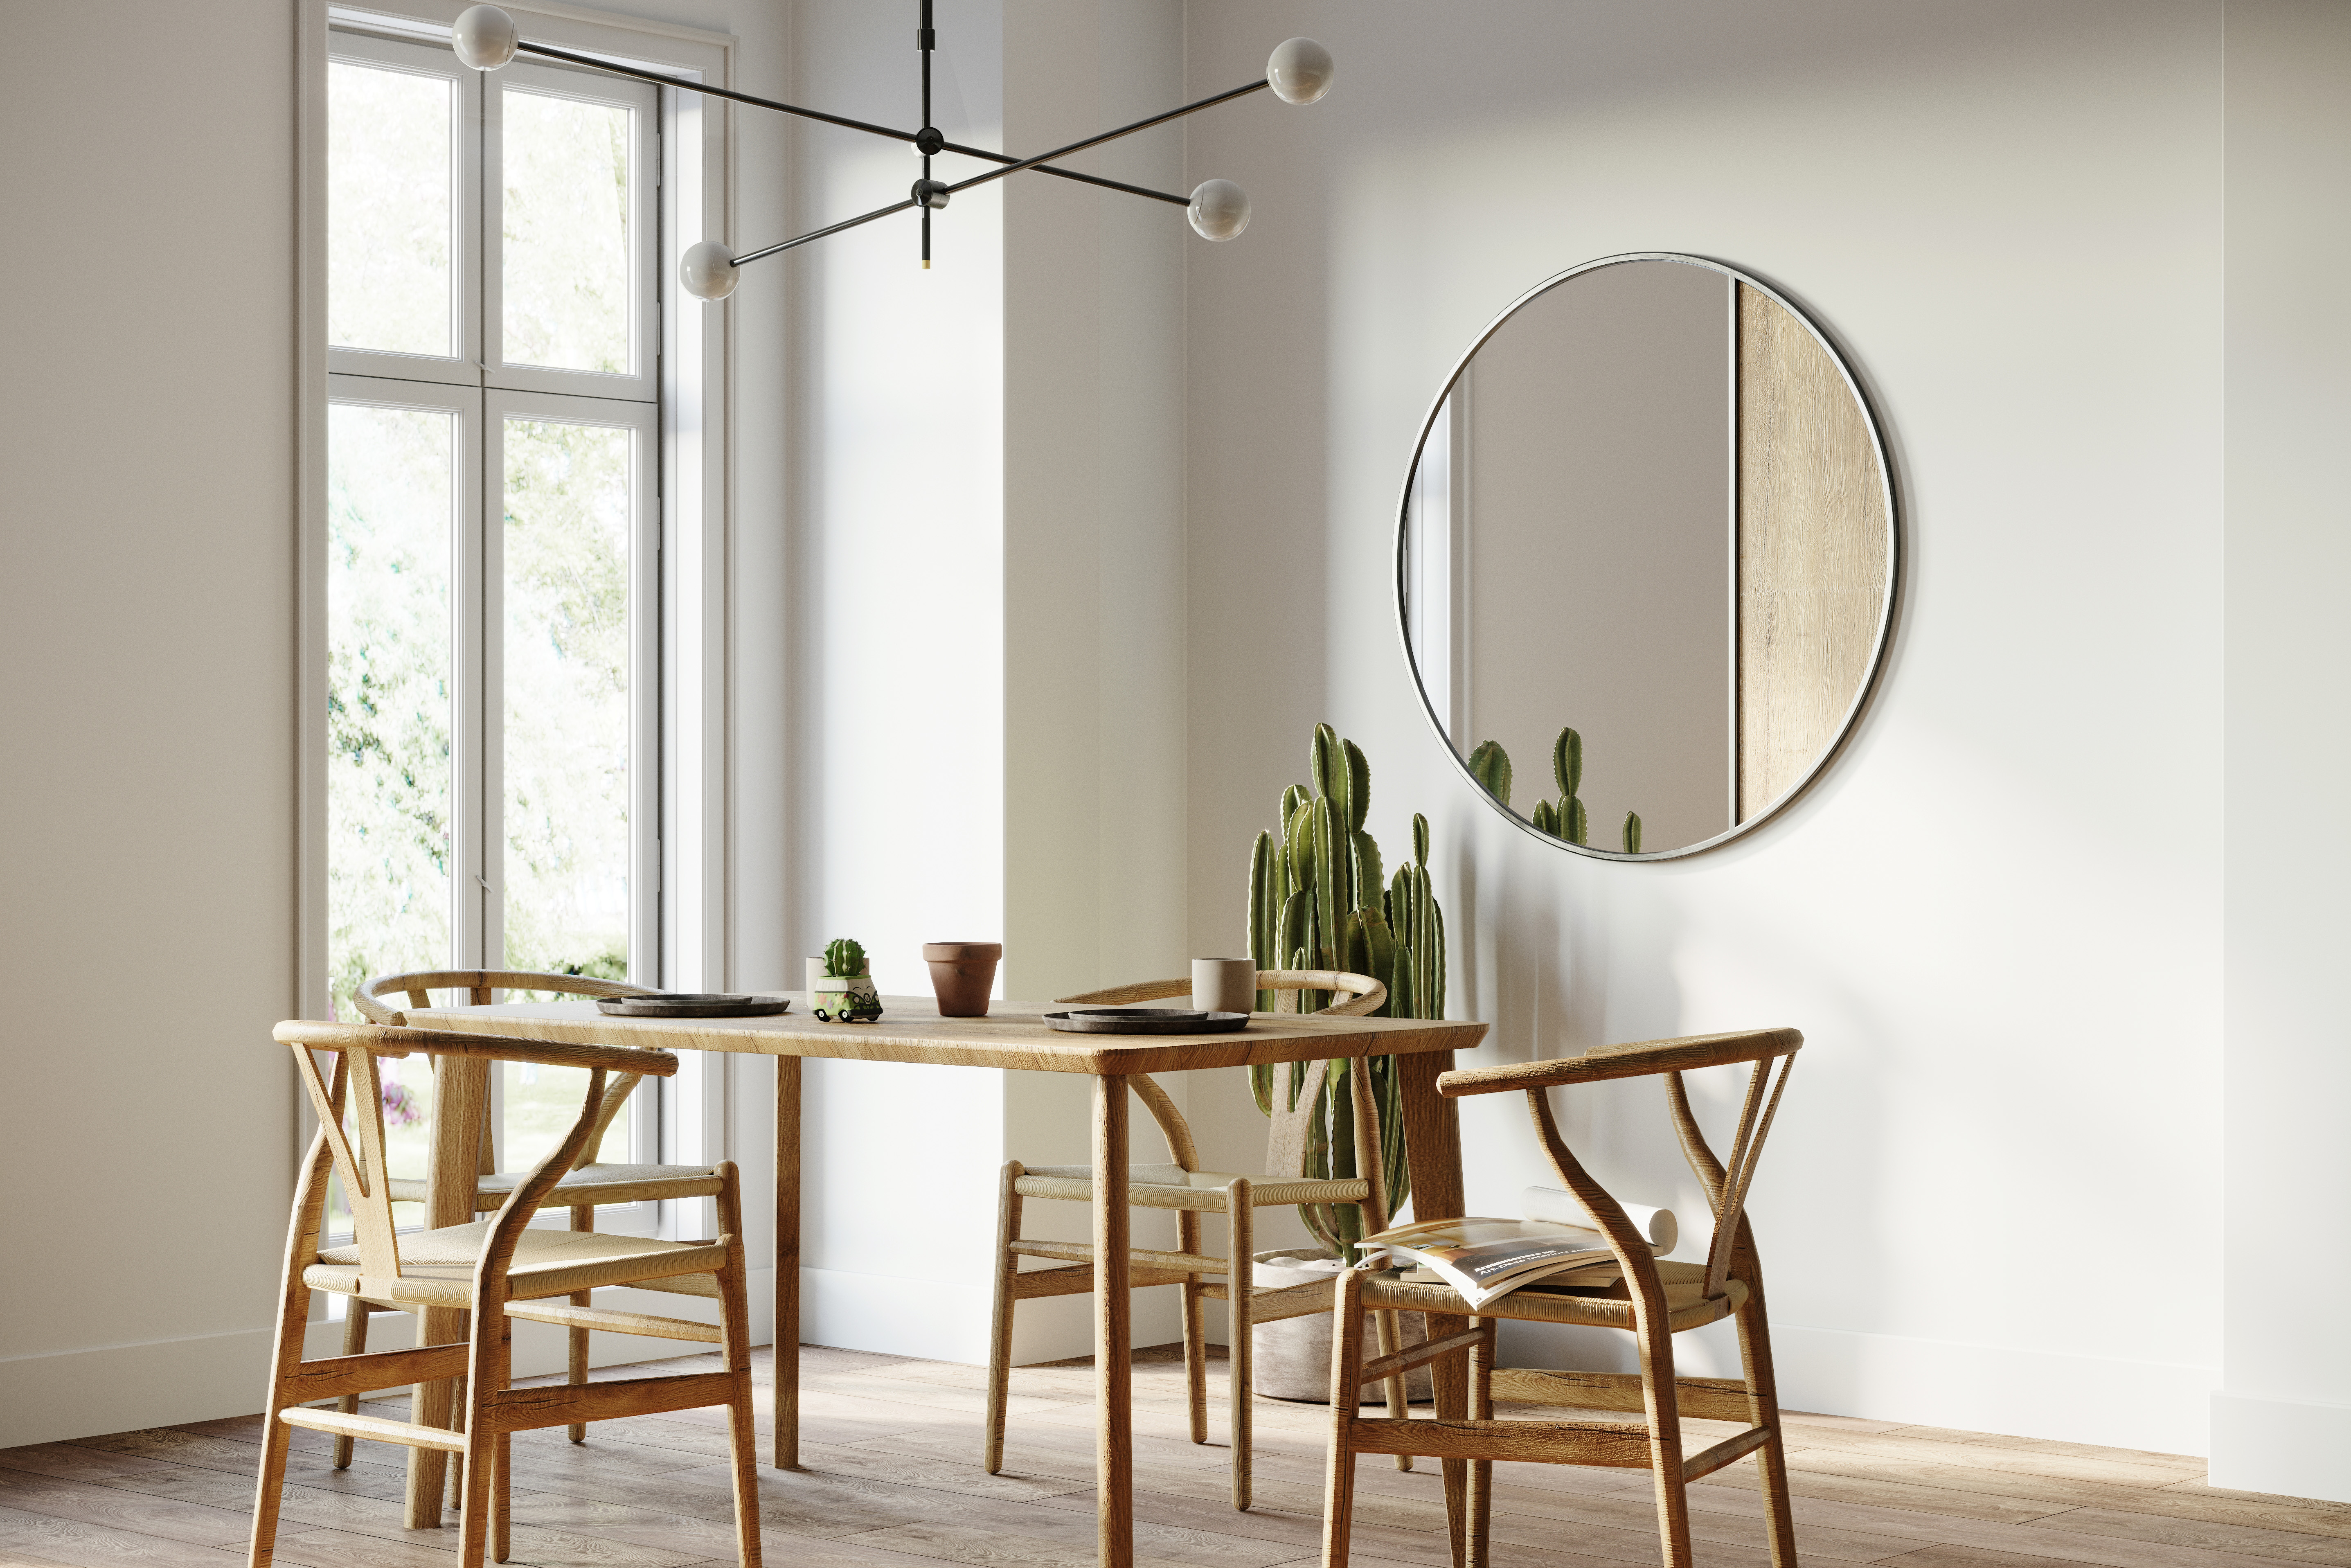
{"type": "Point", "coordinates": [892, 1479]}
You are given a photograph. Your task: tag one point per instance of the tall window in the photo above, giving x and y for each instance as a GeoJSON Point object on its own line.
{"type": "Point", "coordinates": [493, 527]}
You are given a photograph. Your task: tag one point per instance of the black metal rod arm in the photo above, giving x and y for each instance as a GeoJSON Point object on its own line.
{"type": "Point", "coordinates": [819, 234]}
{"type": "Point", "coordinates": [656, 77]}
{"type": "Point", "coordinates": [1065, 173]}
{"type": "Point", "coordinates": [1015, 168]}
{"type": "Point", "coordinates": [594, 63]}
{"type": "Point", "coordinates": [1113, 185]}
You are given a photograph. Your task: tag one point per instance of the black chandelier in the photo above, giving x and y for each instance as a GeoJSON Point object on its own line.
{"type": "Point", "coordinates": [1299, 72]}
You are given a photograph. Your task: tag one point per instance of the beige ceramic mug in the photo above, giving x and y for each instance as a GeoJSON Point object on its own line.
{"type": "Point", "coordinates": [1225, 985]}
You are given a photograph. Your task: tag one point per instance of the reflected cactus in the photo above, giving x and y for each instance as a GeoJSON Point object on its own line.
{"type": "Point", "coordinates": [1564, 818]}
{"type": "Point", "coordinates": [1490, 765]}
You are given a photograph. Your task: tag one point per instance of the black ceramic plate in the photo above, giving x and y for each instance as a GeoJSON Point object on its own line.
{"type": "Point", "coordinates": [693, 1005]}
{"type": "Point", "coordinates": [1146, 1021]}
{"type": "Point", "coordinates": [1163, 1015]}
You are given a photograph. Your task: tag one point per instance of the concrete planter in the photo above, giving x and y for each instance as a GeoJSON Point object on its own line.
{"type": "Point", "coordinates": [1292, 1357]}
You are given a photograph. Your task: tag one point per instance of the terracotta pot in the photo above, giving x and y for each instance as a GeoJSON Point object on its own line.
{"type": "Point", "coordinates": [962, 974]}
{"type": "Point", "coordinates": [1292, 1358]}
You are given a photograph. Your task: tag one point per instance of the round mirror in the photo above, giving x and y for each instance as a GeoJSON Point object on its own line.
{"type": "Point", "coordinates": [1646, 567]}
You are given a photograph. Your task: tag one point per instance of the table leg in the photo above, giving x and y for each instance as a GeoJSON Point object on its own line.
{"type": "Point", "coordinates": [787, 1391]}
{"type": "Point", "coordinates": [1432, 1132]}
{"type": "Point", "coordinates": [461, 1097]}
{"type": "Point", "coordinates": [1113, 1385]}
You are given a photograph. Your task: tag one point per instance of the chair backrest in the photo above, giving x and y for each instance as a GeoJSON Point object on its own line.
{"type": "Point", "coordinates": [1725, 1187]}
{"type": "Point", "coordinates": [417, 987]}
{"type": "Point", "coordinates": [1353, 996]}
{"type": "Point", "coordinates": [357, 1083]}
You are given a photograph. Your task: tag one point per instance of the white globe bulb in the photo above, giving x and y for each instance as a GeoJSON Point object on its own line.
{"type": "Point", "coordinates": [1299, 71]}
{"type": "Point", "coordinates": [710, 271]}
{"type": "Point", "coordinates": [484, 37]}
{"type": "Point", "coordinates": [1219, 209]}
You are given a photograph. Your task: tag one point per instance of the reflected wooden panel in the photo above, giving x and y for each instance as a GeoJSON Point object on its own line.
{"type": "Point", "coordinates": [1812, 551]}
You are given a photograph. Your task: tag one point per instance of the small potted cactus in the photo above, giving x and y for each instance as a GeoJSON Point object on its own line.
{"type": "Point", "coordinates": [841, 983]}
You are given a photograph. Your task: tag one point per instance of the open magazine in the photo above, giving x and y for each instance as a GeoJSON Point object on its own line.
{"type": "Point", "coordinates": [1483, 1258]}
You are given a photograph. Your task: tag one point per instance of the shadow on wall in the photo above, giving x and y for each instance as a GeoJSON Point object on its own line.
{"type": "Point", "coordinates": [1544, 975]}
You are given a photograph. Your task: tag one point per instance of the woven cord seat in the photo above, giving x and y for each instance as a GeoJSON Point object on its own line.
{"type": "Point", "coordinates": [436, 1267]}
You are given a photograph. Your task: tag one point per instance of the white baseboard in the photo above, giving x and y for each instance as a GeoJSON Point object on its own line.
{"type": "Point", "coordinates": [2292, 1448]}
{"type": "Point", "coordinates": [56, 1397]}
{"type": "Point", "coordinates": [936, 1320]}
{"type": "Point", "coordinates": [948, 1321]}
{"type": "Point", "coordinates": [2154, 1405]}
{"type": "Point", "coordinates": [2118, 1403]}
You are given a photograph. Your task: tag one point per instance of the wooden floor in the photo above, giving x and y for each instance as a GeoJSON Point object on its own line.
{"type": "Point", "coordinates": [894, 1481]}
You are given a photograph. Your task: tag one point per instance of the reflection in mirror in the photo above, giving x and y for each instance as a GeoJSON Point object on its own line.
{"type": "Point", "coordinates": [1646, 556]}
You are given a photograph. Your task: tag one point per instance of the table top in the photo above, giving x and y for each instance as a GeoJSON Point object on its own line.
{"type": "Point", "coordinates": [1013, 1034]}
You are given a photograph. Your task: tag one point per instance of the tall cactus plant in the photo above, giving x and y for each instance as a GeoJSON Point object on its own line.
{"type": "Point", "coordinates": [1318, 901]}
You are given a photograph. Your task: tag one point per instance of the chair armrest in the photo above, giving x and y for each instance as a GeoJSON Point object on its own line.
{"type": "Point", "coordinates": [380, 1041]}
{"type": "Point", "coordinates": [1640, 1059]}
{"type": "Point", "coordinates": [375, 1012]}
{"type": "Point", "coordinates": [1119, 996]}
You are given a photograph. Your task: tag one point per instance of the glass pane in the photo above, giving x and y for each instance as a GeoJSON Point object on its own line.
{"type": "Point", "coordinates": [392, 478]}
{"type": "Point", "coordinates": [566, 278]}
{"type": "Point", "coordinates": [392, 230]}
{"type": "Point", "coordinates": [541, 1104]}
{"type": "Point", "coordinates": [566, 539]}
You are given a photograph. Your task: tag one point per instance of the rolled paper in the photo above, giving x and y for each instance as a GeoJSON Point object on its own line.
{"type": "Point", "coordinates": [1562, 1208]}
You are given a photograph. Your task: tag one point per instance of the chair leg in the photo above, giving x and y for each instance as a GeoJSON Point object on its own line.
{"type": "Point", "coordinates": [742, 1433]}
{"type": "Point", "coordinates": [276, 1437]}
{"type": "Point", "coordinates": [583, 1218]}
{"type": "Point", "coordinates": [1391, 1331]}
{"type": "Point", "coordinates": [276, 1443]}
{"type": "Point", "coordinates": [492, 1369]}
{"type": "Point", "coordinates": [474, 1514]}
{"type": "Point", "coordinates": [999, 1334]}
{"type": "Point", "coordinates": [1346, 1389]}
{"type": "Point", "coordinates": [1241, 1270]}
{"type": "Point", "coordinates": [457, 1407]}
{"type": "Point", "coordinates": [355, 1336]}
{"type": "Point", "coordinates": [1663, 1407]}
{"type": "Point", "coordinates": [1481, 1471]}
{"type": "Point", "coordinates": [1196, 1340]}
{"type": "Point", "coordinates": [502, 1497]}
{"type": "Point", "coordinates": [1763, 1406]}
{"type": "Point", "coordinates": [431, 1472]}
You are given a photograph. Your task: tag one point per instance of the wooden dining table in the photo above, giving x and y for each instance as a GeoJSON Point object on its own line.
{"type": "Point", "coordinates": [1015, 1034]}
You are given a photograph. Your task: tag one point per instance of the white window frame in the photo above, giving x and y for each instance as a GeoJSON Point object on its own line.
{"type": "Point", "coordinates": [417, 59]}
{"type": "Point", "coordinates": [638, 384]}
{"type": "Point", "coordinates": [500, 405]}
{"type": "Point", "coordinates": [686, 462]}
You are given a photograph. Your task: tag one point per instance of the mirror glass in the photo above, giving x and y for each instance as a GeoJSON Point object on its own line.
{"type": "Point", "coordinates": [1647, 556]}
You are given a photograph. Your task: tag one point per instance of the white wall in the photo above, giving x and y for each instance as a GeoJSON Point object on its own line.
{"type": "Point", "coordinates": [146, 600]}
{"type": "Point", "coordinates": [1997, 919]}
{"type": "Point", "coordinates": [988, 596]}
{"type": "Point", "coordinates": [2282, 1420]}
{"type": "Point", "coordinates": [149, 577]}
